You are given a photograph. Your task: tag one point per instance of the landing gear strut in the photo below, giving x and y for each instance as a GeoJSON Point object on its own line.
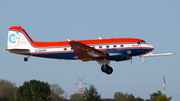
{"type": "Point", "coordinates": [26, 58]}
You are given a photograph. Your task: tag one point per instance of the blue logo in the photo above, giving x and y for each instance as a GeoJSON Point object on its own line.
{"type": "Point", "coordinates": [12, 38]}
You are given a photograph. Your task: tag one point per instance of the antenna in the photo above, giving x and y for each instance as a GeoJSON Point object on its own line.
{"type": "Point", "coordinates": [164, 85]}
{"type": "Point", "coordinates": [80, 83]}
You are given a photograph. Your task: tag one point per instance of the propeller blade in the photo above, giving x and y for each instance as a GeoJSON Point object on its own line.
{"type": "Point", "coordinates": [127, 55]}
{"type": "Point", "coordinates": [143, 60]}
{"type": "Point", "coordinates": [128, 52]}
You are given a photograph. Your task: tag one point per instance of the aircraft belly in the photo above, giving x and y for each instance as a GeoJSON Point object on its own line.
{"type": "Point", "coordinates": [64, 55]}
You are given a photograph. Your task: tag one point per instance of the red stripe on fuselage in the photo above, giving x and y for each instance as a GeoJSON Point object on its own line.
{"type": "Point", "coordinates": [66, 43]}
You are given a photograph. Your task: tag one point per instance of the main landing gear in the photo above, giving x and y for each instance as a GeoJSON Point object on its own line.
{"type": "Point", "coordinates": [106, 69]}
{"type": "Point", "coordinates": [26, 58]}
{"type": "Point", "coordinates": [105, 66]}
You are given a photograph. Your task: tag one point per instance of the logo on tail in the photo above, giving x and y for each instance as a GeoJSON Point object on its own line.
{"type": "Point", "coordinates": [12, 38]}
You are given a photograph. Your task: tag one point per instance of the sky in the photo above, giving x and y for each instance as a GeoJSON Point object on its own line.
{"type": "Point", "coordinates": [156, 22]}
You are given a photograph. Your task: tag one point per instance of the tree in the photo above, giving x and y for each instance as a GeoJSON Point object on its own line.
{"type": "Point", "coordinates": [34, 91]}
{"type": "Point", "coordinates": [118, 96]}
{"type": "Point", "coordinates": [163, 98]}
{"type": "Point", "coordinates": [57, 93]}
{"type": "Point", "coordinates": [3, 98]}
{"type": "Point", "coordinates": [154, 96]}
{"type": "Point", "coordinates": [139, 99]}
{"type": "Point", "coordinates": [108, 99]}
{"type": "Point", "coordinates": [91, 94]}
{"type": "Point", "coordinates": [76, 97]}
{"type": "Point", "coordinates": [7, 90]}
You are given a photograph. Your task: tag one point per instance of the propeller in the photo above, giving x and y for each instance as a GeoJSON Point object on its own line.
{"type": "Point", "coordinates": [143, 60]}
{"type": "Point", "coordinates": [129, 52]}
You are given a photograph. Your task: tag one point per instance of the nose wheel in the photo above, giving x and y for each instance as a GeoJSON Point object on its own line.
{"type": "Point", "coordinates": [106, 69]}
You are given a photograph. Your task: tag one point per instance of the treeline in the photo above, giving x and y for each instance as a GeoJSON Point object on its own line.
{"type": "Point", "coordinates": [35, 90]}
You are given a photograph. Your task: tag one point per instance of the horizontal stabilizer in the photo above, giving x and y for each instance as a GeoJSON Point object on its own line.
{"type": "Point", "coordinates": [85, 52]}
{"type": "Point", "coordinates": [17, 50]}
{"type": "Point", "coordinates": [152, 55]}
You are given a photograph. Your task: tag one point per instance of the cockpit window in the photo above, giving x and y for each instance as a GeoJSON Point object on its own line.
{"type": "Point", "coordinates": [141, 42]}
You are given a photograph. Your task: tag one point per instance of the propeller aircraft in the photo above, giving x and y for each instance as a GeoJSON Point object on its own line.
{"type": "Point", "coordinates": [101, 50]}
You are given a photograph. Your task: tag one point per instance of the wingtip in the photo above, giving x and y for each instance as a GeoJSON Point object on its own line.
{"type": "Point", "coordinates": [170, 53]}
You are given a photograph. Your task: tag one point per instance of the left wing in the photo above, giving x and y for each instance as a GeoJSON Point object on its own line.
{"type": "Point", "coordinates": [152, 55]}
{"type": "Point", "coordinates": [85, 52]}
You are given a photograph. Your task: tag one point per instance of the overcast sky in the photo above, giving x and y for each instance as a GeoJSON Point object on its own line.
{"type": "Point", "coordinates": [156, 22]}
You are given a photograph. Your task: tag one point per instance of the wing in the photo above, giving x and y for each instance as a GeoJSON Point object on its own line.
{"type": "Point", "coordinates": [152, 55]}
{"type": "Point", "coordinates": [85, 52]}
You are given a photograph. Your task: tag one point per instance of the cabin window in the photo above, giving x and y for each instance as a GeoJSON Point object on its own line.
{"type": "Point", "coordinates": [122, 45]}
{"type": "Point", "coordinates": [114, 46]}
{"type": "Point", "coordinates": [93, 47]}
{"type": "Point", "coordinates": [65, 48]}
{"type": "Point", "coordinates": [139, 42]}
{"type": "Point", "coordinates": [100, 46]}
{"type": "Point", "coordinates": [107, 46]}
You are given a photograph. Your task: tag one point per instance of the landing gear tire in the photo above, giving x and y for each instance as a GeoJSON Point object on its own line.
{"type": "Point", "coordinates": [109, 71]}
{"type": "Point", "coordinates": [25, 59]}
{"type": "Point", "coordinates": [106, 69]}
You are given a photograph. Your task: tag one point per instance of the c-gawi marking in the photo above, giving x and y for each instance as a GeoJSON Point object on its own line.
{"type": "Point", "coordinates": [101, 50]}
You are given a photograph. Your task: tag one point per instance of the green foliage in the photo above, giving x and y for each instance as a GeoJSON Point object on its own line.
{"type": "Point", "coordinates": [163, 98]}
{"type": "Point", "coordinates": [91, 94]}
{"type": "Point", "coordinates": [139, 99]}
{"type": "Point", "coordinates": [33, 91]}
{"type": "Point", "coordinates": [7, 90]}
{"type": "Point", "coordinates": [3, 98]}
{"type": "Point", "coordinates": [108, 99]}
{"type": "Point", "coordinates": [57, 93]}
{"type": "Point", "coordinates": [118, 96]}
{"type": "Point", "coordinates": [76, 97]}
{"type": "Point", "coordinates": [154, 96]}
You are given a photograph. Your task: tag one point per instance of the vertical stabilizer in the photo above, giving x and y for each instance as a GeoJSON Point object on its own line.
{"type": "Point", "coordinates": [18, 38]}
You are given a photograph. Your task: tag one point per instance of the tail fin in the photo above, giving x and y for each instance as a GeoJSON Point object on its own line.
{"type": "Point", "coordinates": [18, 38]}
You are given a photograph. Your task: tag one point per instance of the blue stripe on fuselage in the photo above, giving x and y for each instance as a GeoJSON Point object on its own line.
{"type": "Point", "coordinates": [72, 55]}
{"type": "Point", "coordinates": [62, 55]}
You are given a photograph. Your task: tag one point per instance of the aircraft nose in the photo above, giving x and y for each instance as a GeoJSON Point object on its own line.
{"type": "Point", "coordinates": [151, 47]}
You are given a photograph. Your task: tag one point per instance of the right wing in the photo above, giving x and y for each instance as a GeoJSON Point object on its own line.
{"type": "Point", "coordinates": [152, 55]}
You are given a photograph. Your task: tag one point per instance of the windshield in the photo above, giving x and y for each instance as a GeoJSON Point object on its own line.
{"type": "Point", "coordinates": [141, 42]}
